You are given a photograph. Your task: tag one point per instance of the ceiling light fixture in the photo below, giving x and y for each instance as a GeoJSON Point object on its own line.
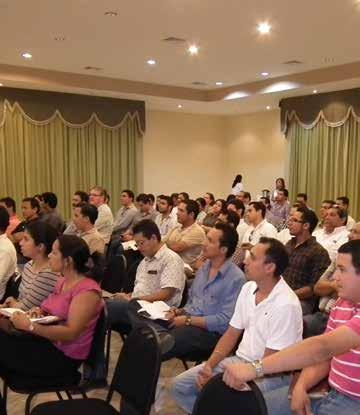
{"type": "Point", "coordinates": [180, 106]}
{"type": "Point", "coordinates": [151, 62]}
{"type": "Point", "coordinates": [27, 55]}
{"type": "Point", "coordinates": [59, 38]}
{"type": "Point", "coordinates": [193, 50]}
{"type": "Point", "coordinates": [268, 107]}
{"type": "Point", "coordinates": [315, 91]}
{"type": "Point", "coordinates": [1, 84]}
{"type": "Point", "coordinates": [219, 83]}
{"type": "Point", "coordinates": [110, 13]}
{"type": "Point", "coordinates": [265, 73]}
{"type": "Point", "coordinates": [264, 28]}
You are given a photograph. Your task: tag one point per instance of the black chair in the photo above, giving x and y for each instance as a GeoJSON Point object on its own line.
{"type": "Point", "coordinates": [218, 398]}
{"type": "Point", "coordinates": [12, 287]}
{"type": "Point", "coordinates": [196, 357]}
{"type": "Point", "coordinates": [115, 272]}
{"type": "Point", "coordinates": [135, 379]}
{"type": "Point", "coordinates": [33, 386]}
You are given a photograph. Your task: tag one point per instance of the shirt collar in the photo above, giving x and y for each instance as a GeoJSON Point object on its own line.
{"type": "Point", "coordinates": [158, 254]}
{"type": "Point", "coordinates": [222, 271]}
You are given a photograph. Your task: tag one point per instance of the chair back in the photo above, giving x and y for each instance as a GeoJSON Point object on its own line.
{"type": "Point", "coordinates": [137, 371]}
{"type": "Point", "coordinates": [115, 269]}
{"type": "Point", "coordinates": [133, 259]}
{"type": "Point", "coordinates": [217, 398]}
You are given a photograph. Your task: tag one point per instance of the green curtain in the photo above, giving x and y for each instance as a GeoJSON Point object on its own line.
{"type": "Point", "coordinates": [55, 156]}
{"type": "Point", "coordinates": [325, 162]}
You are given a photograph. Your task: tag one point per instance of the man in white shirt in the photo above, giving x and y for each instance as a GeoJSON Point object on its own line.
{"type": "Point", "coordinates": [7, 252]}
{"type": "Point", "coordinates": [267, 313]}
{"type": "Point", "coordinates": [334, 233]}
{"type": "Point", "coordinates": [343, 202]}
{"type": "Point", "coordinates": [105, 221]}
{"type": "Point", "coordinates": [238, 206]}
{"type": "Point", "coordinates": [164, 220]}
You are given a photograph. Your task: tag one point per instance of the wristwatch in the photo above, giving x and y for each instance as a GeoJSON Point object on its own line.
{"type": "Point", "coordinates": [188, 321]}
{"type": "Point", "coordinates": [258, 366]}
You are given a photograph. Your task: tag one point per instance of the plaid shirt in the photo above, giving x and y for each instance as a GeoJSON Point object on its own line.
{"type": "Point", "coordinates": [307, 262]}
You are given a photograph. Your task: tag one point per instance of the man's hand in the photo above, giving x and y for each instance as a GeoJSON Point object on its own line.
{"type": "Point", "coordinates": [237, 374]}
{"type": "Point", "coordinates": [300, 401]}
{"type": "Point", "coordinates": [205, 374]}
{"type": "Point", "coordinates": [122, 296]}
{"type": "Point", "coordinates": [178, 321]}
{"type": "Point", "coordinates": [171, 314]}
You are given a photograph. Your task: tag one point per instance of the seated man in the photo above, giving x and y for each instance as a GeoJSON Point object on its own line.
{"type": "Point", "coordinates": [187, 238]}
{"type": "Point", "coordinates": [334, 355]}
{"type": "Point", "coordinates": [159, 277]}
{"type": "Point", "coordinates": [334, 233]}
{"type": "Point", "coordinates": [9, 204]}
{"type": "Point", "coordinates": [165, 220]}
{"type": "Point", "coordinates": [126, 214]}
{"type": "Point", "coordinates": [78, 197]}
{"type": "Point", "coordinates": [213, 293]}
{"type": "Point", "coordinates": [85, 216]}
{"type": "Point", "coordinates": [307, 258]}
{"type": "Point", "coordinates": [343, 202]}
{"type": "Point", "coordinates": [50, 214]}
{"type": "Point", "coordinates": [267, 313]}
{"type": "Point", "coordinates": [104, 223]}
{"type": "Point", "coordinates": [325, 206]}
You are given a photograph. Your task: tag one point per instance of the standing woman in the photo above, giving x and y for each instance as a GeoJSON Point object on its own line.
{"type": "Point", "coordinates": [58, 350]}
{"type": "Point", "coordinates": [279, 185]}
{"type": "Point", "coordinates": [237, 185]}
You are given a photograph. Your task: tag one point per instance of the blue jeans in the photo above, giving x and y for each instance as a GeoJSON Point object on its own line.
{"type": "Point", "coordinates": [334, 403]}
{"type": "Point", "coordinates": [185, 390]}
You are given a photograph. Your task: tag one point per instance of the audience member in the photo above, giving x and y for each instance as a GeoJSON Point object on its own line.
{"type": "Point", "coordinates": [284, 235]}
{"type": "Point", "coordinates": [50, 214]}
{"type": "Point", "coordinates": [105, 221]}
{"type": "Point", "coordinates": [202, 207]}
{"type": "Point", "coordinates": [126, 214]}
{"type": "Point", "coordinates": [7, 253]}
{"type": "Point", "coordinates": [164, 220]}
{"type": "Point", "coordinates": [333, 356]}
{"type": "Point", "coordinates": [205, 317]}
{"type": "Point", "coordinates": [211, 218]}
{"type": "Point", "coordinates": [334, 232]}
{"type": "Point", "coordinates": [9, 204]}
{"type": "Point", "coordinates": [246, 199]}
{"type": "Point", "coordinates": [279, 185]}
{"type": "Point", "coordinates": [343, 202]}
{"type": "Point", "coordinates": [237, 206]}
{"type": "Point", "coordinates": [267, 314]}
{"type": "Point", "coordinates": [302, 199]}
{"type": "Point", "coordinates": [37, 279]}
{"type": "Point", "coordinates": [78, 197]}
{"type": "Point", "coordinates": [325, 206]}
{"type": "Point", "coordinates": [57, 351]}
{"type": "Point", "coordinates": [230, 217]}
{"type": "Point", "coordinates": [237, 185]}
{"type": "Point", "coordinates": [187, 238]}
{"type": "Point", "coordinates": [85, 216]}
{"type": "Point", "coordinates": [281, 208]}
{"type": "Point", "coordinates": [307, 258]}
{"type": "Point", "coordinates": [209, 200]}
{"type": "Point", "coordinates": [159, 277]}
{"type": "Point", "coordinates": [182, 197]}
{"type": "Point", "coordinates": [269, 216]}
{"type": "Point", "coordinates": [152, 200]}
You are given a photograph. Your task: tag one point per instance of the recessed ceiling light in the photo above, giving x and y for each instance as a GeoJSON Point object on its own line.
{"type": "Point", "coordinates": [219, 83]}
{"type": "Point", "coordinates": [315, 91]}
{"type": "Point", "coordinates": [27, 55]}
{"type": "Point", "coordinates": [268, 107]}
{"type": "Point", "coordinates": [264, 28]}
{"type": "Point", "coordinates": [110, 13]}
{"type": "Point", "coordinates": [151, 62]}
{"type": "Point", "coordinates": [59, 38]}
{"type": "Point", "coordinates": [180, 106]}
{"type": "Point", "coordinates": [193, 50]}
{"type": "Point", "coordinates": [1, 84]}
{"type": "Point", "coordinates": [265, 73]}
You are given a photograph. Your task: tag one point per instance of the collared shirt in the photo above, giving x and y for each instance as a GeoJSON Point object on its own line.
{"type": "Point", "coordinates": [281, 213]}
{"type": "Point", "coordinates": [275, 323]}
{"type": "Point", "coordinates": [215, 299]}
{"type": "Point", "coordinates": [70, 229]}
{"type": "Point", "coordinates": [193, 236]}
{"type": "Point", "coordinates": [210, 220]}
{"type": "Point", "coordinates": [350, 223]}
{"type": "Point", "coordinates": [333, 240]}
{"type": "Point", "coordinates": [94, 240]}
{"type": "Point", "coordinates": [307, 262]}
{"type": "Point", "coordinates": [253, 234]}
{"type": "Point", "coordinates": [201, 216]}
{"type": "Point", "coordinates": [164, 270]}
{"type": "Point", "coordinates": [14, 221]}
{"type": "Point", "coordinates": [141, 216]}
{"type": "Point", "coordinates": [7, 262]}
{"type": "Point", "coordinates": [166, 224]}
{"type": "Point", "coordinates": [105, 221]}
{"type": "Point", "coordinates": [241, 229]}
{"type": "Point", "coordinates": [54, 219]}
{"type": "Point", "coordinates": [124, 218]}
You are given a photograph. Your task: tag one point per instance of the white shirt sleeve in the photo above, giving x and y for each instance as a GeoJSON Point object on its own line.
{"type": "Point", "coordinates": [239, 319]}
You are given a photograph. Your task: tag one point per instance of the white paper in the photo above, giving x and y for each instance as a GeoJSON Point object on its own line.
{"type": "Point", "coordinates": [156, 310]}
{"type": "Point", "coordinates": [8, 312]}
{"type": "Point", "coordinates": [130, 245]}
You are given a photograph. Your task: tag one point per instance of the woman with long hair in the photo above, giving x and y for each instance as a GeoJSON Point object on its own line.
{"type": "Point", "coordinates": [237, 185]}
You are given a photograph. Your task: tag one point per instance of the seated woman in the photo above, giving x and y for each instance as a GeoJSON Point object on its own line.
{"type": "Point", "coordinates": [58, 350]}
{"type": "Point", "coordinates": [37, 279]}
{"type": "Point", "coordinates": [211, 218]}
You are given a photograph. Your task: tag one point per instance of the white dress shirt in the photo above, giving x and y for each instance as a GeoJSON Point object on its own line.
{"type": "Point", "coordinates": [333, 240]}
{"type": "Point", "coordinates": [241, 229]}
{"type": "Point", "coordinates": [7, 262]}
{"type": "Point", "coordinates": [105, 222]}
{"type": "Point", "coordinates": [264, 228]}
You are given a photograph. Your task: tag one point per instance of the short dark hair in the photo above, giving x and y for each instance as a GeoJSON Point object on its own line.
{"type": "Point", "coordinates": [148, 228]}
{"type": "Point", "coordinates": [259, 206]}
{"type": "Point", "coordinates": [343, 215]}
{"type": "Point", "coordinates": [83, 196]}
{"type": "Point", "coordinates": [352, 248]}
{"type": "Point", "coordinates": [168, 199]}
{"type": "Point", "coordinates": [247, 195]}
{"type": "Point", "coordinates": [309, 216]}
{"type": "Point", "coordinates": [9, 202]}
{"type": "Point", "coordinates": [38, 196]}
{"type": "Point", "coordinates": [142, 197]}
{"type": "Point", "coordinates": [151, 197]}
{"type": "Point", "coordinates": [344, 199]}
{"type": "Point", "coordinates": [129, 192]}
{"type": "Point", "coordinates": [229, 239]}
{"type": "Point", "coordinates": [232, 217]}
{"type": "Point", "coordinates": [303, 195]}
{"type": "Point", "coordinates": [4, 219]}
{"type": "Point", "coordinates": [186, 195]}
{"type": "Point", "coordinates": [174, 195]}
{"type": "Point", "coordinates": [201, 201]}
{"type": "Point", "coordinates": [223, 205]}
{"type": "Point", "coordinates": [275, 253]}
{"type": "Point", "coordinates": [42, 233]}
{"type": "Point", "coordinates": [192, 207]}
{"type": "Point", "coordinates": [34, 203]}
{"type": "Point", "coordinates": [329, 202]}
{"type": "Point", "coordinates": [285, 191]}
{"type": "Point", "coordinates": [238, 205]}
{"type": "Point", "coordinates": [266, 201]}
{"type": "Point", "coordinates": [50, 199]}
{"type": "Point", "coordinates": [90, 211]}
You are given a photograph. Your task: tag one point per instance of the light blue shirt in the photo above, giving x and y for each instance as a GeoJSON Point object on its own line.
{"type": "Point", "coordinates": [215, 300]}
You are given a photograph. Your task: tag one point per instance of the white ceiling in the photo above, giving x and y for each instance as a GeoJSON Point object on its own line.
{"type": "Point", "coordinates": [319, 33]}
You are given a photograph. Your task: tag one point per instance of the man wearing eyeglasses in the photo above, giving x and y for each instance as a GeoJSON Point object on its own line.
{"type": "Point", "coordinates": [307, 258]}
{"type": "Point", "coordinates": [105, 221]}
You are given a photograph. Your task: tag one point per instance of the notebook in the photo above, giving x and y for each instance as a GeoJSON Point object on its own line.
{"type": "Point", "coordinates": [8, 312]}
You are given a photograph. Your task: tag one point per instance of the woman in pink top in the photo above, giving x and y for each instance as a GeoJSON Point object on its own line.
{"type": "Point", "coordinates": [58, 350]}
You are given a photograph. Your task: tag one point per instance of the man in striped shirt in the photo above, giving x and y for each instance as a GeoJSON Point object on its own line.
{"type": "Point", "coordinates": [334, 355]}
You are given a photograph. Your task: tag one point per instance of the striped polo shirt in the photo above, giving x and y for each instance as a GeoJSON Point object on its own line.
{"type": "Point", "coordinates": [344, 373]}
{"type": "Point", "coordinates": [35, 287]}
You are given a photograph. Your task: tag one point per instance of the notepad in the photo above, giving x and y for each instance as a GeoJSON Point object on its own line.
{"type": "Point", "coordinates": [130, 245]}
{"type": "Point", "coordinates": [8, 312]}
{"type": "Point", "coordinates": [154, 311]}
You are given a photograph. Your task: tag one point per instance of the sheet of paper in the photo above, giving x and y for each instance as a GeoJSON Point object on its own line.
{"type": "Point", "coordinates": [156, 310]}
{"type": "Point", "coordinates": [8, 312]}
{"type": "Point", "coordinates": [130, 245]}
